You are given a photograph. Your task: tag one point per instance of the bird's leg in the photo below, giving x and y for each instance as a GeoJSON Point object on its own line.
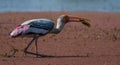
{"type": "Point", "coordinates": [29, 45]}
{"type": "Point", "coordinates": [36, 40]}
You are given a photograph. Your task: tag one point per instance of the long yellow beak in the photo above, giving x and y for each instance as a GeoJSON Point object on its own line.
{"type": "Point", "coordinates": [78, 19]}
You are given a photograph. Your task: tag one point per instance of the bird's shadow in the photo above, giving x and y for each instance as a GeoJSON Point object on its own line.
{"type": "Point", "coordinates": [63, 56]}
{"type": "Point", "coordinates": [51, 56]}
{"type": "Point", "coordinates": [38, 55]}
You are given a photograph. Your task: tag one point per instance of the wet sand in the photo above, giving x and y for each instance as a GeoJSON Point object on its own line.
{"type": "Point", "coordinates": [75, 45]}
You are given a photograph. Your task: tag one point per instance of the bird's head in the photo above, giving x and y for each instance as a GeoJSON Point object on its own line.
{"type": "Point", "coordinates": [67, 18]}
{"type": "Point", "coordinates": [18, 31]}
{"type": "Point", "coordinates": [64, 18]}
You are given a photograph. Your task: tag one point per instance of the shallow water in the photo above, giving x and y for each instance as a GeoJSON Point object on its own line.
{"type": "Point", "coordinates": [59, 5]}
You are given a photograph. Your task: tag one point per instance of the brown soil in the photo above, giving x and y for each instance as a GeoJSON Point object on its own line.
{"type": "Point", "coordinates": [75, 45]}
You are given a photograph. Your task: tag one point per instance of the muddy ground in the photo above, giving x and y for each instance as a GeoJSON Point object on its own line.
{"type": "Point", "coordinates": [75, 45]}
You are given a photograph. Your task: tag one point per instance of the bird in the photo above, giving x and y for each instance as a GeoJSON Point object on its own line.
{"type": "Point", "coordinates": [39, 27]}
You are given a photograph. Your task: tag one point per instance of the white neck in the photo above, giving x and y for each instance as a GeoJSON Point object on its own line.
{"type": "Point", "coordinates": [59, 26]}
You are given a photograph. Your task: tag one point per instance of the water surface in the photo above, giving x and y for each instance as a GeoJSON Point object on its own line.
{"type": "Point", "coordinates": [59, 5]}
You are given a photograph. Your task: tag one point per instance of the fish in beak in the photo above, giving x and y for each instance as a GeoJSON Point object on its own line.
{"type": "Point", "coordinates": [78, 19]}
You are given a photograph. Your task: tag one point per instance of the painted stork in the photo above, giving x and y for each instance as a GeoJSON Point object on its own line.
{"type": "Point", "coordinates": [40, 27]}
